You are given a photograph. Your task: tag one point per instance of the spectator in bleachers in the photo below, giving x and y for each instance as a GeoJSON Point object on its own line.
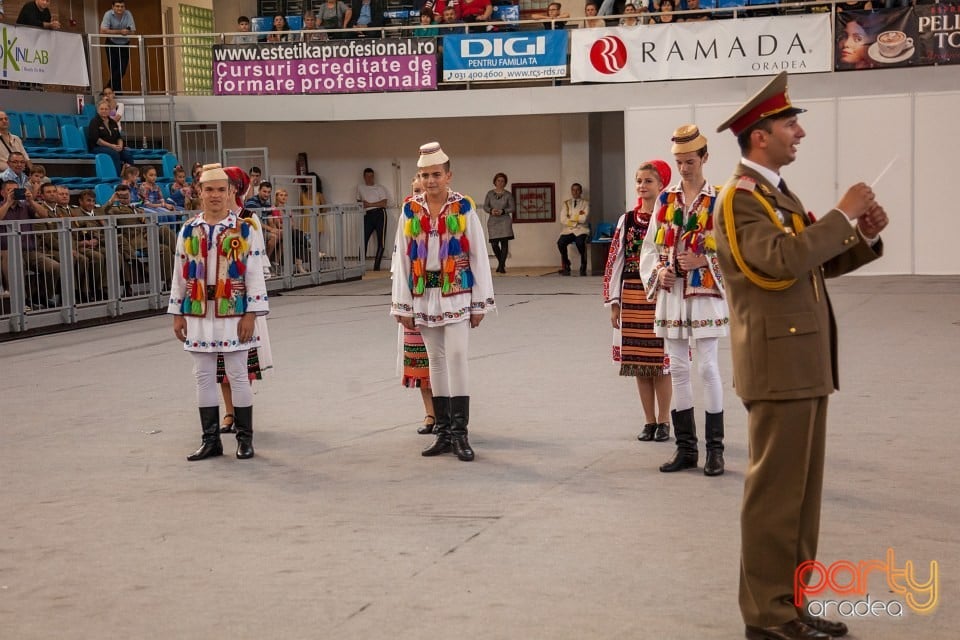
{"type": "Point", "coordinates": [132, 231]}
{"type": "Point", "coordinates": [310, 24]}
{"type": "Point", "coordinates": [51, 208]}
{"type": "Point", "coordinates": [694, 5]}
{"type": "Point", "coordinates": [334, 14]}
{"type": "Point", "coordinates": [552, 17]}
{"type": "Point", "coordinates": [63, 201]}
{"type": "Point", "coordinates": [43, 272]}
{"type": "Point", "coordinates": [38, 176]}
{"type": "Point", "coordinates": [150, 193]}
{"type": "Point", "coordinates": [366, 14]}
{"type": "Point", "coordinates": [475, 11]}
{"type": "Point", "coordinates": [450, 18]}
{"type": "Point", "coordinates": [130, 176]}
{"type": "Point", "coordinates": [118, 24]}
{"type": "Point", "coordinates": [426, 28]}
{"type": "Point", "coordinates": [87, 238]}
{"type": "Point", "coordinates": [281, 30]}
{"type": "Point", "coordinates": [243, 26]}
{"type": "Point", "coordinates": [37, 14]}
{"type": "Point", "coordinates": [104, 136]}
{"type": "Point", "coordinates": [180, 192]}
{"type": "Point", "coordinates": [17, 171]}
{"type": "Point", "coordinates": [630, 17]}
{"type": "Point", "coordinates": [9, 142]}
{"type": "Point", "coordinates": [255, 176]}
{"type": "Point", "coordinates": [590, 10]}
{"type": "Point", "coordinates": [666, 9]}
{"type": "Point", "coordinates": [262, 206]}
{"type": "Point", "coordinates": [318, 200]}
{"type": "Point", "coordinates": [116, 108]}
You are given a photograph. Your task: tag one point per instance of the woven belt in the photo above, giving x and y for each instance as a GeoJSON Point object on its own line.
{"type": "Point", "coordinates": [434, 279]}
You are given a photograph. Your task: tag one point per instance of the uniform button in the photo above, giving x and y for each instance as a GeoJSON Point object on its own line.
{"type": "Point", "coordinates": [793, 329]}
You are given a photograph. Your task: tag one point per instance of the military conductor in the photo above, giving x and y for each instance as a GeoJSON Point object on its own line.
{"type": "Point", "coordinates": [783, 339]}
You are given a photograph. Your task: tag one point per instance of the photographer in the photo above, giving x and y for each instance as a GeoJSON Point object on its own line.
{"type": "Point", "coordinates": [42, 283]}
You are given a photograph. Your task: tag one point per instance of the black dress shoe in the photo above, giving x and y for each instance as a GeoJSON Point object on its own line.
{"type": "Point", "coordinates": [793, 630]}
{"type": "Point", "coordinates": [647, 434]}
{"type": "Point", "coordinates": [565, 272]}
{"type": "Point", "coordinates": [829, 627]}
{"type": "Point", "coordinates": [427, 427]}
{"type": "Point", "coordinates": [663, 432]}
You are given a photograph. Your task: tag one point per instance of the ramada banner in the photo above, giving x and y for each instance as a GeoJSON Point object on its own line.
{"type": "Point", "coordinates": [332, 66]}
{"type": "Point", "coordinates": [43, 56]}
{"type": "Point", "coordinates": [713, 49]}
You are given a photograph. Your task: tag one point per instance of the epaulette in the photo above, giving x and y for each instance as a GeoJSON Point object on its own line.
{"type": "Point", "coordinates": [746, 183]}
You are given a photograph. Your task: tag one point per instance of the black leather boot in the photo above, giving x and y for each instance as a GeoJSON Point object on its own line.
{"type": "Point", "coordinates": [648, 430]}
{"type": "Point", "coordinates": [210, 446]}
{"type": "Point", "coordinates": [244, 422]}
{"type": "Point", "coordinates": [685, 430]}
{"type": "Point", "coordinates": [460, 417]}
{"type": "Point", "coordinates": [713, 435]}
{"type": "Point", "coordinates": [441, 428]}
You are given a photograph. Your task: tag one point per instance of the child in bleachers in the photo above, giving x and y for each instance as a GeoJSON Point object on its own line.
{"type": "Point", "coordinates": [179, 189]}
{"type": "Point", "coordinates": [130, 176]}
{"type": "Point", "coordinates": [38, 175]}
{"type": "Point", "coordinates": [150, 192]}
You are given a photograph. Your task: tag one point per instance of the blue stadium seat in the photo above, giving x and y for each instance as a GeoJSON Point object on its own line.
{"type": "Point", "coordinates": [104, 191]}
{"type": "Point", "coordinates": [32, 130]}
{"type": "Point", "coordinates": [89, 110]}
{"type": "Point", "coordinates": [168, 163]}
{"type": "Point", "coordinates": [16, 123]}
{"type": "Point", "coordinates": [106, 170]}
{"type": "Point", "coordinates": [74, 143]}
{"type": "Point", "coordinates": [604, 232]}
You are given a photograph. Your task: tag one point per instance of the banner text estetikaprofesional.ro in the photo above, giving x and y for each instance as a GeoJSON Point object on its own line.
{"type": "Point", "coordinates": [326, 50]}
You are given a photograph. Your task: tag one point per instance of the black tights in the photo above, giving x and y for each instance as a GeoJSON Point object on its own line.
{"type": "Point", "coordinates": [500, 248]}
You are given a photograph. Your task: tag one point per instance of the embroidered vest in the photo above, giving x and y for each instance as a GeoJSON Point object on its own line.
{"type": "Point", "coordinates": [676, 234]}
{"type": "Point", "coordinates": [454, 276]}
{"type": "Point", "coordinates": [230, 251]}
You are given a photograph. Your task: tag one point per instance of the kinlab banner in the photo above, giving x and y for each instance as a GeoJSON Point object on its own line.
{"type": "Point", "coordinates": [909, 36]}
{"type": "Point", "coordinates": [712, 49]}
{"type": "Point", "coordinates": [505, 56]}
{"type": "Point", "coordinates": [43, 56]}
{"type": "Point", "coordinates": [332, 66]}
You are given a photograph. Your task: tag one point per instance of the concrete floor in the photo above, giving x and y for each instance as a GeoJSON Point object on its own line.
{"type": "Point", "coordinates": [562, 527]}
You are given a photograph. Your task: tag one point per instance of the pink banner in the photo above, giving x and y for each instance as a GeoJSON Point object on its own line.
{"type": "Point", "coordinates": [335, 66]}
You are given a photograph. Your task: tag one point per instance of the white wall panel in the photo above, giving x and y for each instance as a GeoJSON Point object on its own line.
{"type": "Point", "coordinates": [868, 138]}
{"type": "Point", "coordinates": [936, 176]}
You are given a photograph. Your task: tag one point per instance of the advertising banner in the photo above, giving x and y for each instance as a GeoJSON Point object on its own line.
{"type": "Point", "coordinates": [938, 29]}
{"type": "Point", "coordinates": [43, 56]}
{"type": "Point", "coordinates": [331, 66]}
{"type": "Point", "coordinates": [712, 49]}
{"type": "Point", "coordinates": [505, 56]}
{"type": "Point", "coordinates": [876, 39]}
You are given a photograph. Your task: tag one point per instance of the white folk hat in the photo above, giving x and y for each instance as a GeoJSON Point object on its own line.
{"type": "Point", "coordinates": [213, 172]}
{"type": "Point", "coordinates": [431, 154]}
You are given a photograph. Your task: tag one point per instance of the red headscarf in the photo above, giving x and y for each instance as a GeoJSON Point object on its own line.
{"type": "Point", "coordinates": [240, 180]}
{"type": "Point", "coordinates": [663, 170]}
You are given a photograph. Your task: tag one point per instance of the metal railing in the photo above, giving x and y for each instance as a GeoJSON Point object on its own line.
{"type": "Point", "coordinates": [61, 271]}
{"type": "Point", "coordinates": [157, 62]}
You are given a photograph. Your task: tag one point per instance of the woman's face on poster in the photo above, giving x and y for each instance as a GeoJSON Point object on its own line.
{"type": "Point", "coordinates": [853, 44]}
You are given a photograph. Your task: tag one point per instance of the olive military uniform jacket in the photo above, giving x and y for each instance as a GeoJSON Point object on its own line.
{"type": "Point", "coordinates": [784, 343]}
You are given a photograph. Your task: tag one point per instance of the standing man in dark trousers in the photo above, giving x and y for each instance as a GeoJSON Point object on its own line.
{"type": "Point", "coordinates": [118, 24]}
{"type": "Point", "coordinates": [374, 198]}
{"type": "Point", "coordinates": [775, 256]}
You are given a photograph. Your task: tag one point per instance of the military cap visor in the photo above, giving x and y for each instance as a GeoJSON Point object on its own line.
{"type": "Point", "coordinates": [770, 101]}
